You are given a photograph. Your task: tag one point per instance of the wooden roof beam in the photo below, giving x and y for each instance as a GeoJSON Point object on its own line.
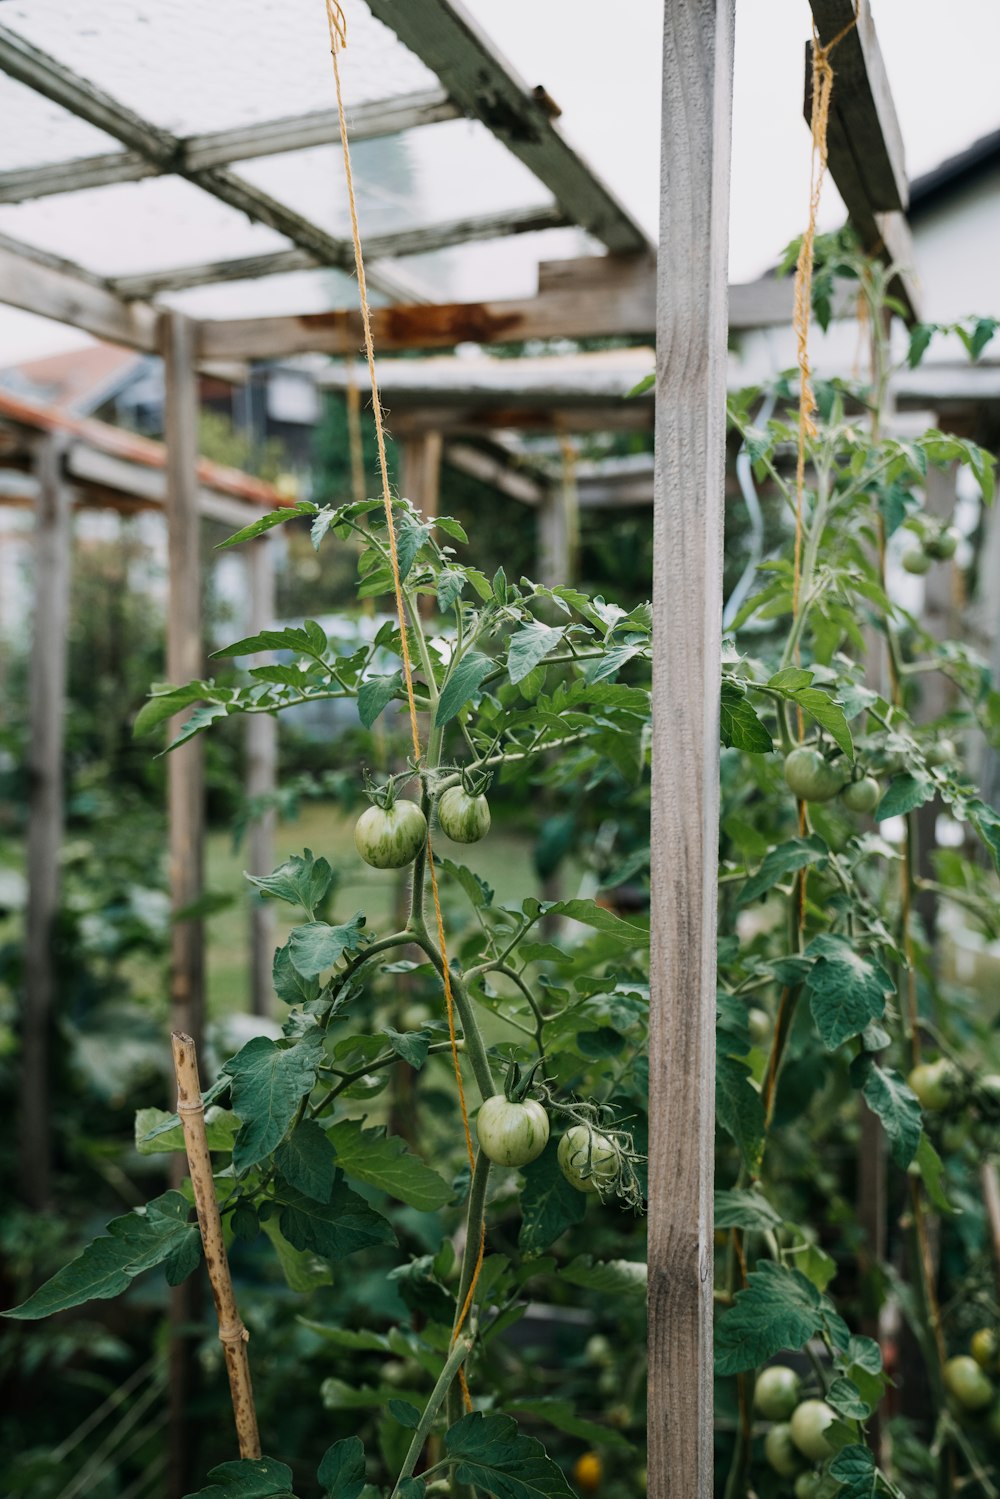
{"type": "Point", "coordinates": [445, 37]}
{"type": "Point", "coordinates": [38, 282]}
{"type": "Point", "coordinates": [222, 147]}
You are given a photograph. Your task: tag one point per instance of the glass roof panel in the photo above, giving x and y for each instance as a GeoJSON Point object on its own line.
{"type": "Point", "coordinates": [137, 226]}
{"type": "Point", "coordinates": [298, 292]}
{"type": "Point", "coordinates": [36, 131]}
{"type": "Point", "coordinates": [455, 169]}
{"type": "Point", "coordinates": [495, 269]}
{"type": "Point", "coordinates": [191, 66]}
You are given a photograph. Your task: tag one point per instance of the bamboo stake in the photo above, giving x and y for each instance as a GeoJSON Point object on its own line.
{"type": "Point", "coordinates": [232, 1334]}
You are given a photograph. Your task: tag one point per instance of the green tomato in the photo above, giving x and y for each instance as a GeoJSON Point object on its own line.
{"type": "Point", "coordinates": [916, 560]}
{"type": "Point", "coordinates": [588, 1160]}
{"type": "Point", "coordinates": [759, 1026]}
{"type": "Point", "coordinates": [463, 818]}
{"type": "Point", "coordinates": [776, 1393]}
{"type": "Point", "coordinates": [599, 1350]}
{"type": "Point", "coordinates": [512, 1134]}
{"type": "Point", "coordinates": [812, 778]}
{"type": "Point", "coordinates": [863, 795]}
{"type": "Point", "coordinates": [809, 1424]}
{"type": "Point", "coordinates": [941, 752]}
{"type": "Point", "coordinates": [964, 1379]}
{"type": "Point", "coordinates": [935, 1083]}
{"type": "Point", "coordinates": [984, 1347]}
{"type": "Point", "coordinates": [781, 1452]}
{"type": "Point", "coordinates": [390, 838]}
{"type": "Point", "coordinates": [944, 545]}
{"type": "Point", "coordinates": [808, 1485]}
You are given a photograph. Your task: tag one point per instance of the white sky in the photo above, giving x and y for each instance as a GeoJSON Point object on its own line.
{"type": "Point", "coordinates": [601, 63]}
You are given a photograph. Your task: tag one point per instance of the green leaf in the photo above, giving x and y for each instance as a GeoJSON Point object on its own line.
{"type": "Point", "coordinates": [846, 991]}
{"type": "Point", "coordinates": [268, 1081]}
{"type": "Point", "coordinates": [375, 694]}
{"type": "Point", "coordinates": [549, 1205]}
{"type": "Point", "coordinates": [646, 383]}
{"type": "Point", "coordinates": [887, 1094]}
{"type": "Point", "coordinates": [739, 1108]}
{"type": "Point", "coordinates": [406, 1414]}
{"type": "Point", "coordinates": [450, 583]}
{"type": "Point", "coordinates": [828, 714]}
{"type": "Point", "coordinates": [302, 1270]}
{"type": "Point", "coordinates": [410, 537]}
{"type": "Point", "coordinates": [383, 1161]}
{"type": "Point", "coordinates": [201, 719]}
{"type": "Point", "coordinates": [490, 1453]}
{"type": "Point", "coordinates": [306, 1161]}
{"type": "Point", "coordinates": [791, 679]}
{"type": "Point", "coordinates": [136, 1242]}
{"type": "Point", "coordinates": [410, 1045]}
{"type": "Point", "coordinates": [157, 1132]}
{"type": "Point", "coordinates": [308, 638]}
{"type": "Point", "coordinates": [612, 1278]}
{"type": "Point", "coordinates": [739, 726]}
{"type": "Point", "coordinates": [462, 685]}
{"type": "Point", "coordinates": [288, 984]}
{"type": "Point", "coordinates": [341, 1472]}
{"type": "Point", "coordinates": [737, 1207]}
{"type": "Point", "coordinates": [920, 337]}
{"type": "Point", "coordinates": [164, 701]}
{"type": "Point", "coordinates": [903, 794]}
{"type": "Point", "coordinates": [561, 1415]}
{"type": "Point", "coordinates": [846, 1399]}
{"type": "Point", "coordinates": [786, 859]}
{"type": "Point", "coordinates": [248, 1478]}
{"type": "Point", "coordinates": [301, 880]}
{"type": "Point", "coordinates": [451, 527]}
{"type": "Point", "coordinates": [987, 824]}
{"type": "Point", "coordinates": [529, 647]}
{"type": "Point", "coordinates": [854, 1469]}
{"type": "Point", "coordinates": [317, 946]}
{"type": "Point", "coordinates": [333, 1229]}
{"type": "Point", "coordinates": [931, 1169]}
{"type": "Point", "coordinates": [268, 522]}
{"type": "Point", "coordinates": [778, 1309]}
{"type": "Point", "coordinates": [589, 913]}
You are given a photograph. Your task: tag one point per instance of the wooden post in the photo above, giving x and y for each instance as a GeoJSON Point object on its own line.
{"type": "Point", "coordinates": [554, 538]}
{"type": "Point", "coordinates": [53, 529]}
{"type": "Point", "coordinates": [687, 627]}
{"type": "Point", "coordinates": [262, 754]}
{"type": "Point", "coordinates": [185, 804]}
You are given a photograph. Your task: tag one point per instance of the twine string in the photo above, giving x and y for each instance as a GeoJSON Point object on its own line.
{"type": "Point", "coordinates": [338, 40]}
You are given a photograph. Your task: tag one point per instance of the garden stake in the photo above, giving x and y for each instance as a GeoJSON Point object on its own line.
{"type": "Point", "coordinates": [232, 1334]}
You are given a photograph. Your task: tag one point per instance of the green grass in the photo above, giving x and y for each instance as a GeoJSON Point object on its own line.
{"type": "Point", "coordinates": [503, 860]}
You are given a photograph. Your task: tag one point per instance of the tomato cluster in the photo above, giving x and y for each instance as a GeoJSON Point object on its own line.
{"type": "Point", "coordinates": [391, 833]}
{"type": "Point", "coordinates": [935, 543]}
{"type": "Point", "coordinates": [971, 1382]}
{"type": "Point", "coordinates": [813, 778]}
{"type": "Point", "coordinates": [796, 1442]}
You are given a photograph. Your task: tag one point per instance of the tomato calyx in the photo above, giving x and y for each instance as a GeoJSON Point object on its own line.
{"type": "Point", "coordinates": [519, 1082]}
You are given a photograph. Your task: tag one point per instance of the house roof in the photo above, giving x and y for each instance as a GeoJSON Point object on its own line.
{"type": "Point", "coordinates": [954, 172]}
{"type": "Point", "coordinates": [79, 380]}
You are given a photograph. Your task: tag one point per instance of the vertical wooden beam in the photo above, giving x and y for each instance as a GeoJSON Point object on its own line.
{"type": "Point", "coordinates": [554, 538]}
{"type": "Point", "coordinates": [53, 529]}
{"type": "Point", "coordinates": [185, 804]}
{"type": "Point", "coordinates": [687, 625]}
{"type": "Point", "coordinates": [262, 755]}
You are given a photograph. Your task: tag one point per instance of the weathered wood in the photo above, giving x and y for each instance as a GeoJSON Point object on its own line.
{"type": "Point", "coordinates": [421, 477]}
{"type": "Point", "coordinates": [261, 778]}
{"type": "Point", "coordinates": [687, 616]}
{"type": "Point", "coordinates": [474, 73]}
{"type": "Point", "coordinates": [184, 662]}
{"type": "Point", "coordinates": [38, 282]}
{"type": "Point", "coordinates": [496, 470]}
{"type": "Point", "coordinates": [139, 486]}
{"type": "Point", "coordinates": [47, 695]}
{"type": "Point", "coordinates": [219, 148]}
{"type": "Point", "coordinates": [863, 101]}
{"type": "Point", "coordinates": [405, 242]}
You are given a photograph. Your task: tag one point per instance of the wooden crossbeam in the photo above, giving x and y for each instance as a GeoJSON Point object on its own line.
{"type": "Point", "coordinates": [403, 242]}
{"type": "Point", "coordinates": [44, 284]}
{"type": "Point", "coordinates": [47, 76]}
{"type": "Point", "coordinates": [483, 83]}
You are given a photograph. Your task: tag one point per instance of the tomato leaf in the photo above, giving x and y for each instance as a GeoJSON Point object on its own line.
{"type": "Point", "coordinates": [561, 1415]}
{"type": "Point", "coordinates": [268, 1081]}
{"type": "Point", "coordinates": [341, 1472]}
{"type": "Point", "coordinates": [887, 1094]}
{"type": "Point", "coordinates": [462, 685]}
{"type": "Point", "coordinates": [383, 1161]}
{"type": "Point", "coordinates": [854, 1469]}
{"type": "Point", "coordinates": [491, 1454]}
{"type": "Point", "coordinates": [778, 1309]}
{"type": "Point", "coordinates": [316, 946]}
{"type": "Point", "coordinates": [931, 1168]}
{"type": "Point", "coordinates": [903, 794]}
{"type": "Point", "coordinates": [530, 646]}
{"type": "Point", "coordinates": [589, 913]}
{"type": "Point", "coordinates": [739, 1207]}
{"type": "Point", "coordinates": [375, 694]}
{"type": "Point", "coordinates": [786, 859]}
{"type": "Point", "coordinates": [406, 1414]}
{"type": "Point", "coordinates": [611, 1277]}
{"type": "Point", "coordinates": [301, 880]}
{"type": "Point", "coordinates": [333, 1229]}
{"type": "Point", "coordinates": [739, 1108]}
{"type": "Point", "coordinates": [829, 715]}
{"type": "Point", "coordinates": [248, 1478]}
{"type": "Point", "coordinates": [549, 1205]}
{"type": "Point", "coordinates": [739, 726]}
{"type": "Point", "coordinates": [157, 1131]}
{"type": "Point", "coordinates": [846, 991]}
{"type": "Point", "coordinates": [268, 522]}
{"type": "Point", "coordinates": [306, 1161]}
{"type": "Point", "coordinates": [138, 1241]}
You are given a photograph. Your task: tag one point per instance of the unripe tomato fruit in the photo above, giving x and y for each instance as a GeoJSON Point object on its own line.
{"type": "Point", "coordinates": [812, 778]}
{"type": "Point", "coordinates": [808, 1485]}
{"type": "Point", "coordinates": [587, 1159]}
{"type": "Point", "coordinates": [588, 1470]}
{"type": "Point", "coordinates": [916, 560]}
{"type": "Point", "coordinates": [941, 752]}
{"type": "Point", "coordinates": [809, 1423]}
{"type": "Point", "coordinates": [463, 818]}
{"type": "Point", "coordinates": [944, 545]}
{"type": "Point", "coordinates": [512, 1134]}
{"type": "Point", "coordinates": [934, 1083]}
{"type": "Point", "coordinates": [984, 1347]}
{"type": "Point", "coordinates": [863, 795]}
{"type": "Point", "coordinates": [776, 1393]}
{"type": "Point", "coordinates": [759, 1026]}
{"type": "Point", "coordinates": [390, 838]}
{"type": "Point", "coordinates": [781, 1452]}
{"type": "Point", "coordinates": [964, 1379]}
{"type": "Point", "coordinates": [599, 1350]}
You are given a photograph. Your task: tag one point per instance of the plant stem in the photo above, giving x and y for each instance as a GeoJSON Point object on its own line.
{"type": "Point", "coordinates": [453, 1363]}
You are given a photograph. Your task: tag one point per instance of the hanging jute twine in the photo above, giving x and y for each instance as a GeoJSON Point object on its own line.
{"type": "Point", "coordinates": [338, 40]}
